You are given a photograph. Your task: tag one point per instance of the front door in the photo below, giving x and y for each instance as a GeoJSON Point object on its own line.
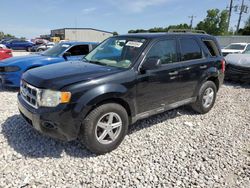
{"type": "Point", "coordinates": [159, 87]}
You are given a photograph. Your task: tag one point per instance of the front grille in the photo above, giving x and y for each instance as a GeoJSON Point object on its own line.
{"type": "Point", "coordinates": [30, 94]}
{"type": "Point", "coordinates": [225, 54]}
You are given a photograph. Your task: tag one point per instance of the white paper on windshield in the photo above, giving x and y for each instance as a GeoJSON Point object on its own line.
{"type": "Point", "coordinates": [65, 45]}
{"type": "Point", "coordinates": [134, 44]}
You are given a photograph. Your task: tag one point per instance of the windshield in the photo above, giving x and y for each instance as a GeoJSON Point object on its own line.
{"type": "Point", "coordinates": [117, 52]}
{"type": "Point", "coordinates": [56, 50]}
{"type": "Point", "coordinates": [236, 47]}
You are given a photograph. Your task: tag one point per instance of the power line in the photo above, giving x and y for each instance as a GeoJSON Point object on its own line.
{"type": "Point", "coordinates": [230, 13]}
{"type": "Point", "coordinates": [191, 21]}
{"type": "Point", "coordinates": [243, 9]}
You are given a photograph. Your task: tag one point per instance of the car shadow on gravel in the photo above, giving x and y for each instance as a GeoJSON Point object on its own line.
{"type": "Point", "coordinates": [4, 89]}
{"type": "Point", "coordinates": [159, 118]}
{"type": "Point", "coordinates": [30, 143]}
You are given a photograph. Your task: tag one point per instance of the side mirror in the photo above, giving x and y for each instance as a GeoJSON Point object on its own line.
{"type": "Point", "coordinates": [66, 55]}
{"type": "Point", "coordinates": [151, 64]}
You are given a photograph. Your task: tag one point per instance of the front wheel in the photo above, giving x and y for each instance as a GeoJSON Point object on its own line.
{"type": "Point", "coordinates": [206, 98]}
{"type": "Point", "coordinates": [104, 128]}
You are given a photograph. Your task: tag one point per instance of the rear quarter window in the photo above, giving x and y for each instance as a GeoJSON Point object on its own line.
{"type": "Point", "coordinates": [211, 47]}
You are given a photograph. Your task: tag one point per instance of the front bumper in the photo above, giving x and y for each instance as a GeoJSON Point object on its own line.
{"type": "Point", "coordinates": [237, 73]}
{"type": "Point", "coordinates": [55, 122]}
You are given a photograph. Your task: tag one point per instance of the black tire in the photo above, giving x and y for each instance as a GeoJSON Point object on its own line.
{"type": "Point", "coordinates": [199, 106]}
{"type": "Point", "coordinates": [28, 49]}
{"type": "Point", "coordinates": [89, 133]}
{"type": "Point", "coordinates": [40, 50]}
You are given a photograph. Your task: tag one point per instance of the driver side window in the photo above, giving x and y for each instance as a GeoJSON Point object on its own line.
{"type": "Point", "coordinates": [79, 50]}
{"type": "Point", "coordinates": [164, 50]}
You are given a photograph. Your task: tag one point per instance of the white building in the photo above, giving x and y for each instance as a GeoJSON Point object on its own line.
{"type": "Point", "coordinates": [81, 34]}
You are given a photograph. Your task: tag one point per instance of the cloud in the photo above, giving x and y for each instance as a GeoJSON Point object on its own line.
{"type": "Point", "coordinates": [88, 10]}
{"type": "Point", "coordinates": [136, 5]}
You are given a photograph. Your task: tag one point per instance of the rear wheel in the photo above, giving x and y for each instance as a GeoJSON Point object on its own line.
{"type": "Point", "coordinates": [40, 50]}
{"type": "Point", "coordinates": [104, 128]}
{"type": "Point", "coordinates": [206, 98]}
{"type": "Point", "coordinates": [28, 49]}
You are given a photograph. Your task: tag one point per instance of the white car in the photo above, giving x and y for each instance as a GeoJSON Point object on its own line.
{"type": "Point", "coordinates": [2, 46]}
{"type": "Point", "coordinates": [235, 48]}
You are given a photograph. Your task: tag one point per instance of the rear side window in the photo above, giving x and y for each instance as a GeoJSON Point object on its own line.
{"type": "Point", "coordinates": [164, 50]}
{"type": "Point", "coordinates": [212, 48]}
{"type": "Point", "coordinates": [79, 50]}
{"type": "Point", "coordinates": [190, 49]}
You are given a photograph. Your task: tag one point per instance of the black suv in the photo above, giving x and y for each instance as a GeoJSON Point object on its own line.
{"type": "Point", "coordinates": [124, 79]}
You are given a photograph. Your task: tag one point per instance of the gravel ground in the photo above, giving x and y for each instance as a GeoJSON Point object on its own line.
{"type": "Point", "coordinates": [175, 149]}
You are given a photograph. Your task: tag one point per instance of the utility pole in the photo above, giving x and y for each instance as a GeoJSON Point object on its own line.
{"type": "Point", "coordinates": [242, 9]}
{"type": "Point", "coordinates": [229, 14]}
{"type": "Point", "coordinates": [191, 21]}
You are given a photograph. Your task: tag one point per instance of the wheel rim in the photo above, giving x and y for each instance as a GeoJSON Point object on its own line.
{"type": "Point", "coordinates": [108, 128]}
{"type": "Point", "coordinates": [208, 97]}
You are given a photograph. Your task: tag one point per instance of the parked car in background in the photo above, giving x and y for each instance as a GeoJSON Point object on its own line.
{"type": "Point", "coordinates": [5, 40]}
{"type": "Point", "coordinates": [235, 48]}
{"type": "Point", "coordinates": [5, 53]}
{"type": "Point", "coordinates": [238, 67]}
{"type": "Point", "coordinates": [97, 98]}
{"type": "Point", "coordinates": [2, 46]}
{"type": "Point", "coordinates": [17, 44]}
{"type": "Point", "coordinates": [12, 69]}
{"type": "Point", "coordinates": [42, 47]}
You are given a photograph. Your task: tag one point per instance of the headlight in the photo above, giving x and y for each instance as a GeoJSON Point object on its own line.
{"type": "Point", "coordinates": [11, 69]}
{"type": "Point", "coordinates": [49, 98]}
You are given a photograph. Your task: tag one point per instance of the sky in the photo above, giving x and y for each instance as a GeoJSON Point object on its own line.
{"type": "Point", "coordinates": [31, 18]}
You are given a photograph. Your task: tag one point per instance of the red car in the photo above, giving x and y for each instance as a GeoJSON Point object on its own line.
{"type": "Point", "coordinates": [5, 53]}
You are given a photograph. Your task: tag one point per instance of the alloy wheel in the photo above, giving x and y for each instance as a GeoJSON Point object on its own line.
{"type": "Point", "coordinates": [108, 128]}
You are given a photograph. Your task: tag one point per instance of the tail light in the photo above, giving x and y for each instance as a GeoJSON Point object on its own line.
{"type": "Point", "coordinates": [223, 65]}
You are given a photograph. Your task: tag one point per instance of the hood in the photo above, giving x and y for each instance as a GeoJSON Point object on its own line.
{"type": "Point", "coordinates": [29, 59]}
{"type": "Point", "coordinates": [242, 60]}
{"type": "Point", "coordinates": [57, 76]}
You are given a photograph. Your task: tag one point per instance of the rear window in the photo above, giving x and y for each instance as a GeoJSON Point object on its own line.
{"type": "Point", "coordinates": [212, 48]}
{"type": "Point", "coordinates": [190, 49]}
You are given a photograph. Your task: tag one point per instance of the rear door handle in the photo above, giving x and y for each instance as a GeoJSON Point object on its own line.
{"type": "Point", "coordinates": [203, 66]}
{"type": "Point", "coordinates": [173, 73]}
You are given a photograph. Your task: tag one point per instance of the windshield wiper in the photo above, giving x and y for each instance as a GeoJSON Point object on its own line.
{"type": "Point", "coordinates": [98, 63]}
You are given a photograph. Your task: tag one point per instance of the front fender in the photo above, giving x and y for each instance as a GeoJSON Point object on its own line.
{"type": "Point", "coordinates": [101, 93]}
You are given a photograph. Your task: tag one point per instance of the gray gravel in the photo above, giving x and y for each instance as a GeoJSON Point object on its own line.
{"type": "Point", "coordinates": [175, 149]}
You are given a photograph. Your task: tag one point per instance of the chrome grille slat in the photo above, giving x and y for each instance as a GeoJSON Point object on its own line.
{"type": "Point", "coordinates": [29, 94]}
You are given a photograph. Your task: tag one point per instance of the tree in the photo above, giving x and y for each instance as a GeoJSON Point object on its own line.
{"type": "Point", "coordinates": [246, 29]}
{"type": "Point", "coordinates": [215, 23]}
{"type": "Point", "coordinates": [247, 23]}
{"type": "Point", "coordinates": [160, 29]}
{"type": "Point", "coordinates": [115, 33]}
{"type": "Point", "coordinates": [1, 35]}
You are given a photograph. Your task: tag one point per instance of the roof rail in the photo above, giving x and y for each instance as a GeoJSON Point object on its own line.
{"type": "Point", "coordinates": [186, 31]}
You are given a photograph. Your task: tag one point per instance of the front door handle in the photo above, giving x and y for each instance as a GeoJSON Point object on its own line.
{"type": "Point", "coordinates": [173, 73]}
{"type": "Point", "coordinates": [203, 66]}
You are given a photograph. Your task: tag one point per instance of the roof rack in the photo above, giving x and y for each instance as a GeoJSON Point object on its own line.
{"type": "Point", "coordinates": [186, 31]}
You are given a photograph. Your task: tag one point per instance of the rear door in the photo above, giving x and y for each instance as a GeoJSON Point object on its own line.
{"type": "Point", "coordinates": [193, 63]}
{"type": "Point", "coordinates": [78, 52]}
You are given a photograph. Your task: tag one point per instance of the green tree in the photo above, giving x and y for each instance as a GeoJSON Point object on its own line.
{"type": "Point", "coordinates": [115, 33]}
{"type": "Point", "coordinates": [215, 23]}
{"type": "Point", "coordinates": [1, 35]}
{"type": "Point", "coordinates": [247, 23]}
